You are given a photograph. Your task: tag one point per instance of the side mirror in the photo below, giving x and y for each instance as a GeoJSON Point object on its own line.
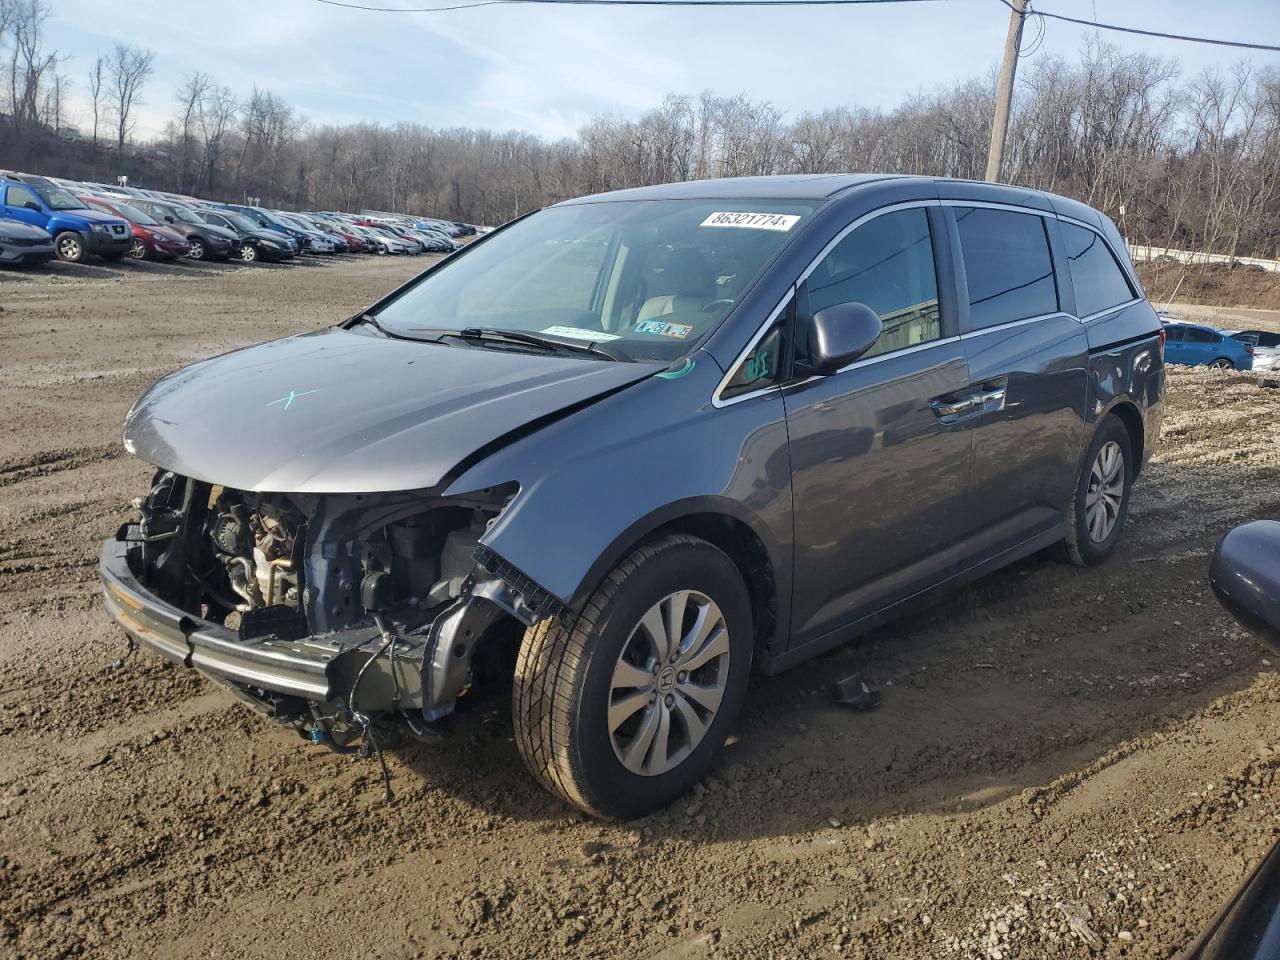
{"type": "Point", "coordinates": [839, 334]}
{"type": "Point", "coordinates": [32, 205]}
{"type": "Point", "coordinates": [1245, 575]}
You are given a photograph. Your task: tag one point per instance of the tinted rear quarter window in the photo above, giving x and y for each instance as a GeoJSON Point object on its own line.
{"type": "Point", "coordinates": [1200, 335]}
{"type": "Point", "coordinates": [1175, 333]}
{"type": "Point", "coordinates": [1007, 265]}
{"type": "Point", "coordinates": [1098, 281]}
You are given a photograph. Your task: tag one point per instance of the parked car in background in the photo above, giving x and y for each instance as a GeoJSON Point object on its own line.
{"type": "Point", "coordinates": [1193, 344]}
{"type": "Point", "coordinates": [876, 389]}
{"type": "Point", "coordinates": [1265, 344]}
{"type": "Point", "coordinates": [270, 221]}
{"type": "Point", "coordinates": [256, 243]}
{"type": "Point", "coordinates": [208, 242]}
{"type": "Point", "coordinates": [78, 231]}
{"type": "Point", "coordinates": [152, 240]}
{"type": "Point", "coordinates": [22, 243]}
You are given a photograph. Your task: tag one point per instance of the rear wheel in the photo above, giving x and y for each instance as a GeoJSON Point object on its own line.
{"type": "Point", "coordinates": [1222, 363]}
{"type": "Point", "coordinates": [1101, 500]}
{"type": "Point", "coordinates": [70, 247]}
{"type": "Point", "coordinates": [622, 705]}
{"type": "Point", "coordinates": [137, 250]}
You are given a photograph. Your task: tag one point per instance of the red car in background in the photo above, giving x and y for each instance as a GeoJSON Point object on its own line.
{"type": "Point", "coordinates": [152, 240]}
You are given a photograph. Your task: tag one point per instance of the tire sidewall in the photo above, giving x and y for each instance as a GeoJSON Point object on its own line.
{"type": "Point", "coordinates": [248, 253]}
{"type": "Point", "coordinates": [1092, 552]}
{"type": "Point", "coordinates": [691, 566]}
{"type": "Point", "coordinates": [198, 250]}
{"type": "Point", "coordinates": [67, 235]}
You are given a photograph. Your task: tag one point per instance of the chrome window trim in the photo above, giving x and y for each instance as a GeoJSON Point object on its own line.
{"type": "Point", "coordinates": [716, 399]}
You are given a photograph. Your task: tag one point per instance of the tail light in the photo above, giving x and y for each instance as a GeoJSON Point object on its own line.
{"type": "Point", "coordinates": [1163, 336]}
{"type": "Point", "coordinates": [1248, 349]}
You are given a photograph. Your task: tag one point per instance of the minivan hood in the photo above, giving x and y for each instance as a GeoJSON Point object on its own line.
{"type": "Point", "coordinates": [336, 411]}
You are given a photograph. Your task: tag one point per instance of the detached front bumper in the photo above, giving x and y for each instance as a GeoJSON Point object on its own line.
{"type": "Point", "coordinates": [279, 677]}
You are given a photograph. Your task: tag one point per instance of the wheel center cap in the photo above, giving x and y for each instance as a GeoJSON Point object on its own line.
{"type": "Point", "coordinates": [667, 679]}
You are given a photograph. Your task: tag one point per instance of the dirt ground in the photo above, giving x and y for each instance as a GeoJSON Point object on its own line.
{"type": "Point", "coordinates": [1067, 763]}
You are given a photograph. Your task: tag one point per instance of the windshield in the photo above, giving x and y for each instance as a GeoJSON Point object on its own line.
{"type": "Point", "coordinates": [240, 221]}
{"type": "Point", "coordinates": [59, 199]}
{"type": "Point", "coordinates": [132, 213]}
{"type": "Point", "coordinates": [187, 215]}
{"type": "Point", "coordinates": [644, 279]}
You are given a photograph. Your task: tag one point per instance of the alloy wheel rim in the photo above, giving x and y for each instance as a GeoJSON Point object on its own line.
{"type": "Point", "coordinates": [1221, 363]}
{"type": "Point", "coordinates": [197, 250]}
{"type": "Point", "coordinates": [137, 250]}
{"type": "Point", "coordinates": [668, 683]}
{"type": "Point", "coordinates": [69, 247]}
{"type": "Point", "coordinates": [1106, 492]}
{"type": "Point", "coordinates": [247, 252]}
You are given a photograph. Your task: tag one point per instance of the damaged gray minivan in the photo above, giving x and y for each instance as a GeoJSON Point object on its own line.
{"type": "Point", "coordinates": [642, 443]}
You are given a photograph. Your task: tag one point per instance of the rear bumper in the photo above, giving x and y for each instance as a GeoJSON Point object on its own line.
{"type": "Point", "coordinates": [316, 668]}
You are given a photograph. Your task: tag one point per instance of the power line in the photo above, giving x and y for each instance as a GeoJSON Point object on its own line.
{"type": "Point", "coordinates": [370, 8]}
{"type": "Point", "coordinates": [1151, 33]}
{"type": "Point", "coordinates": [620, 3]}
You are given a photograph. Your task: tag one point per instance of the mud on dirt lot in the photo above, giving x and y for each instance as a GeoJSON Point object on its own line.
{"type": "Point", "coordinates": [1066, 763]}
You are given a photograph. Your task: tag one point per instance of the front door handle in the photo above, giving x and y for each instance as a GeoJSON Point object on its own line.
{"type": "Point", "coordinates": [954, 408]}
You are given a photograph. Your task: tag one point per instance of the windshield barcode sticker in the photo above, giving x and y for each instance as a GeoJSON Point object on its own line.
{"type": "Point", "coordinates": [752, 221]}
{"type": "Point", "coordinates": [578, 333]}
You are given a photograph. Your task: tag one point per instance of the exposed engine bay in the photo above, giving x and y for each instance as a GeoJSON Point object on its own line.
{"type": "Point", "coordinates": [326, 612]}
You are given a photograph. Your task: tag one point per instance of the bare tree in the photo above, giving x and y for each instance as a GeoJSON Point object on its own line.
{"type": "Point", "coordinates": [97, 93]}
{"type": "Point", "coordinates": [128, 68]}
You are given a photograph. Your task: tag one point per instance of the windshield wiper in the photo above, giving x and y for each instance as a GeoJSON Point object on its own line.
{"type": "Point", "coordinates": [495, 335]}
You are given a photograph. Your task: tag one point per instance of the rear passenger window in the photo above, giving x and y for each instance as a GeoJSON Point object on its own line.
{"type": "Point", "coordinates": [1175, 333]}
{"type": "Point", "coordinates": [1007, 263]}
{"type": "Point", "coordinates": [887, 264]}
{"type": "Point", "coordinates": [1200, 335]}
{"type": "Point", "coordinates": [1098, 280]}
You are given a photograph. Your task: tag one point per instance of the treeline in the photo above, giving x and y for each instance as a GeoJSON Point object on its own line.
{"type": "Point", "coordinates": [1177, 161]}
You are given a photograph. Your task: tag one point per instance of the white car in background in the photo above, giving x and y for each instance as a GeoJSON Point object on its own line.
{"type": "Point", "coordinates": [1265, 345]}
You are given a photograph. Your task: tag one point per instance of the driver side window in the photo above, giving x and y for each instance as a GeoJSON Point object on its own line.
{"type": "Point", "coordinates": [887, 264]}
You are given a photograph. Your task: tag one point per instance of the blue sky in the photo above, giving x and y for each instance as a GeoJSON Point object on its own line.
{"type": "Point", "coordinates": [547, 69]}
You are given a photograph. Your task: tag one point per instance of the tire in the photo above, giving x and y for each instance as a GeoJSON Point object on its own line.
{"type": "Point", "coordinates": [198, 250]}
{"type": "Point", "coordinates": [137, 250]}
{"type": "Point", "coordinates": [570, 669]}
{"type": "Point", "coordinates": [1222, 363]}
{"type": "Point", "coordinates": [69, 247]}
{"type": "Point", "coordinates": [248, 252]}
{"type": "Point", "coordinates": [1083, 545]}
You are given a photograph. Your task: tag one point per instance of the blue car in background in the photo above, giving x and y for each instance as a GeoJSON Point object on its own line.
{"type": "Point", "coordinates": [1193, 345]}
{"type": "Point", "coordinates": [77, 230]}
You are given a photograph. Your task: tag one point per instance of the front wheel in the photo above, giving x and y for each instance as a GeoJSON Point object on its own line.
{"type": "Point", "coordinates": [70, 247]}
{"type": "Point", "coordinates": [248, 252]}
{"type": "Point", "coordinates": [137, 250]}
{"type": "Point", "coordinates": [623, 704]}
{"type": "Point", "coordinates": [197, 251]}
{"type": "Point", "coordinates": [1222, 363]}
{"type": "Point", "coordinates": [1101, 500]}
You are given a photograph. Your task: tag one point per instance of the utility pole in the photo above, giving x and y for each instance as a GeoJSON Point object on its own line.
{"type": "Point", "coordinates": [1004, 92]}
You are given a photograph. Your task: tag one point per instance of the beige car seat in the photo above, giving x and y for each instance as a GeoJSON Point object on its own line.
{"type": "Point", "coordinates": [687, 284]}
